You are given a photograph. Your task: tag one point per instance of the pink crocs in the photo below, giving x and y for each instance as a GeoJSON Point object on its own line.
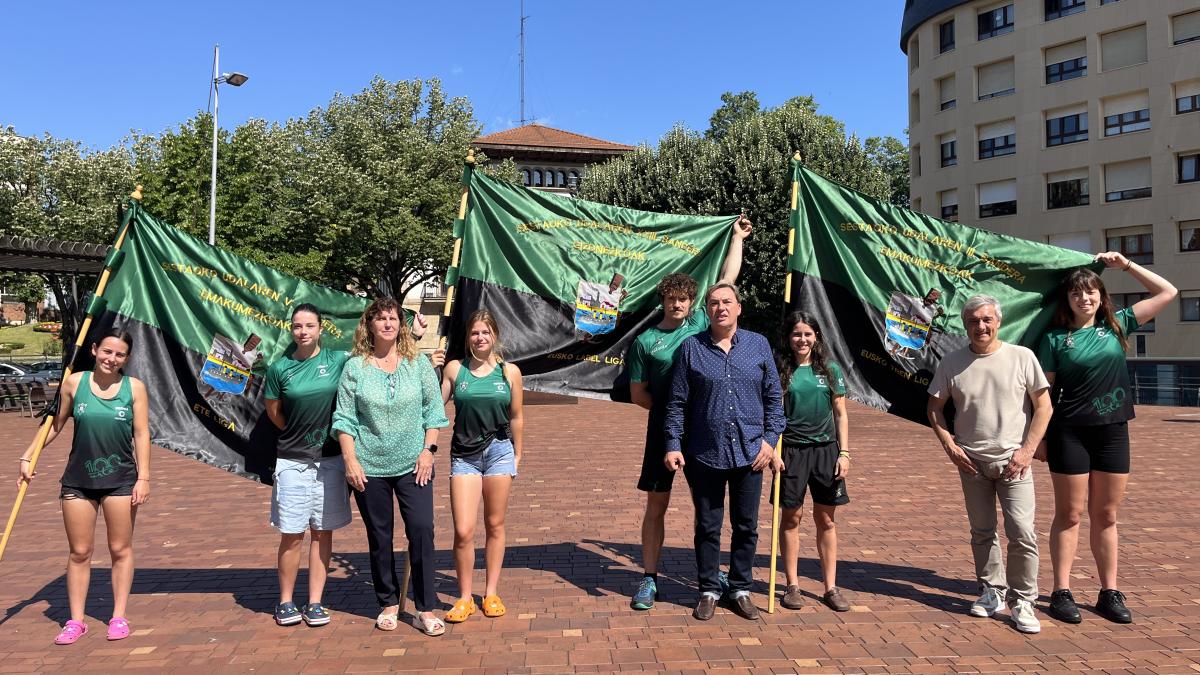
{"type": "Point", "coordinates": [118, 628]}
{"type": "Point", "coordinates": [72, 631]}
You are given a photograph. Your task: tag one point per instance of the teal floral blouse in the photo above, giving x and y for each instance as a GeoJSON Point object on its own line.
{"type": "Point", "coordinates": [388, 414]}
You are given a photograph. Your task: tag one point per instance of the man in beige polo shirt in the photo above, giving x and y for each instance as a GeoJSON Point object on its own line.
{"type": "Point", "coordinates": [1002, 406]}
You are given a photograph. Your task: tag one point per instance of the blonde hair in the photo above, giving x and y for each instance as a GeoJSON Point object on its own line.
{"type": "Point", "coordinates": [364, 339]}
{"type": "Point", "coordinates": [488, 319]}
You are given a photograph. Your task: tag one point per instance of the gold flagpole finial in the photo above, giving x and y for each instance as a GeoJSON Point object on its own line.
{"type": "Point", "coordinates": [797, 156]}
{"type": "Point", "coordinates": [136, 195]}
{"type": "Point", "coordinates": [471, 156]}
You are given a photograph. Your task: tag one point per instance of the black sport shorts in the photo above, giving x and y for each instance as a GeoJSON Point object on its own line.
{"type": "Point", "coordinates": [1079, 450]}
{"type": "Point", "coordinates": [811, 467]}
{"type": "Point", "coordinates": [656, 477]}
{"type": "Point", "coordinates": [94, 494]}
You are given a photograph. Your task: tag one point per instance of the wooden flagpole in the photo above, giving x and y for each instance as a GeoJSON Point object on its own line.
{"type": "Point", "coordinates": [48, 421]}
{"type": "Point", "coordinates": [787, 300]}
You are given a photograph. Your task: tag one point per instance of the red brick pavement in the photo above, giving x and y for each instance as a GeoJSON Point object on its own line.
{"type": "Point", "coordinates": [206, 580]}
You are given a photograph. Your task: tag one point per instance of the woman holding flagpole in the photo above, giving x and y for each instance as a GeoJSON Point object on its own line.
{"type": "Point", "coordinates": [816, 453]}
{"type": "Point", "coordinates": [485, 454]}
{"type": "Point", "coordinates": [108, 470]}
{"type": "Point", "coordinates": [389, 409]}
{"type": "Point", "coordinates": [1087, 444]}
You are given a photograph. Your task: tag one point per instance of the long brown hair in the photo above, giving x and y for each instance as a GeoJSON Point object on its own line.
{"type": "Point", "coordinates": [785, 358]}
{"type": "Point", "coordinates": [364, 340]}
{"type": "Point", "coordinates": [1083, 279]}
{"type": "Point", "coordinates": [489, 320]}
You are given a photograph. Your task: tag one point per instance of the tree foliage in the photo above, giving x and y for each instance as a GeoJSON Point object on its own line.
{"type": "Point", "coordinates": [891, 154]}
{"type": "Point", "coordinates": [744, 170]}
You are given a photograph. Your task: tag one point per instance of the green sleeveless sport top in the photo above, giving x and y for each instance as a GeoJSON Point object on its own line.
{"type": "Point", "coordinates": [481, 409]}
{"type": "Point", "coordinates": [102, 450]}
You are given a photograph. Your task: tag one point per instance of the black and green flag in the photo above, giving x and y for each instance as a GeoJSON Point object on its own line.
{"type": "Point", "coordinates": [206, 324]}
{"type": "Point", "coordinates": [571, 282]}
{"type": "Point", "coordinates": [887, 286]}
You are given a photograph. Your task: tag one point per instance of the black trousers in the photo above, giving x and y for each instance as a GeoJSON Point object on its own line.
{"type": "Point", "coordinates": [416, 508]}
{"type": "Point", "coordinates": [708, 487]}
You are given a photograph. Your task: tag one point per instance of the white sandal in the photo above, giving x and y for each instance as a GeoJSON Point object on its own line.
{"type": "Point", "coordinates": [431, 626]}
{"type": "Point", "coordinates": [387, 621]}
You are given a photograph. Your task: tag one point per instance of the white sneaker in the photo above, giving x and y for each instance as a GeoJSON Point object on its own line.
{"type": "Point", "coordinates": [989, 603]}
{"type": "Point", "coordinates": [1021, 613]}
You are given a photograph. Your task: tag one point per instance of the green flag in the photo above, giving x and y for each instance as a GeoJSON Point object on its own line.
{"type": "Point", "coordinates": [205, 325]}
{"type": "Point", "coordinates": [571, 282]}
{"type": "Point", "coordinates": [887, 285]}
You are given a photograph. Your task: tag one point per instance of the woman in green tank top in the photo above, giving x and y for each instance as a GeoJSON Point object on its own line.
{"type": "Point", "coordinates": [484, 456]}
{"type": "Point", "coordinates": [108, 469]}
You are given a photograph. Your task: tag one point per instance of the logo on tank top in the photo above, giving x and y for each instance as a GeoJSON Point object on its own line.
{"type": "Point", "coordinates": [1101, 332]}
{"type": "Point", "coordinates": [501, 387]}
{"type": "Point", "coordinates": [821, 382]}
{"type": "Point", "coordinates": [122, 412]}
{"type": "Point", "coordinates": [103, 466]}
{"type": "Point", "coordinates": [323, 370]}
{"type": "Point", "coordinates": [462, 386]}
{"type": "Point", "coordinates": [80, 408]}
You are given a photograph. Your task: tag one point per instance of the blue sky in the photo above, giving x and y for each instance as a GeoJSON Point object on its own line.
{"type": "Point", "coordinates": [620, 70]}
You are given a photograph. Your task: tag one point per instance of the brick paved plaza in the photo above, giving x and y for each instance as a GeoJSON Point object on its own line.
{"type": "Point", "coordinates": [206, 582]}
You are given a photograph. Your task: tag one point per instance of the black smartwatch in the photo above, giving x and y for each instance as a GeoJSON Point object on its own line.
{"type": "Point", "coordinates": [431, 448]}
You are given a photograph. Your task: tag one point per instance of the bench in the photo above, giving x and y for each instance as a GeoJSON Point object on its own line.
{"type": "Point", "coordinates": [20, 395]}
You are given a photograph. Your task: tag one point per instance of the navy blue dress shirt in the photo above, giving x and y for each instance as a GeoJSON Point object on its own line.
{"type": "Point", "coordinates": [724, 405]}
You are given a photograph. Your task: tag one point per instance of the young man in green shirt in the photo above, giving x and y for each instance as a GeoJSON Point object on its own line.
{"type": "Point", "coordinates": [650, 360]}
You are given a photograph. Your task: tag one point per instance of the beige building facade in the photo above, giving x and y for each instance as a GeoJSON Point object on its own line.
{"type": "Point", "coordinates": [1073, 122]}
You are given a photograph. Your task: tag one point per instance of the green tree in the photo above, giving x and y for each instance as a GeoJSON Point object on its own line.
{"type": "Point", "coordinates": [734, 107]}
{"type": "Point", "coordinates": [746, 170]}
{"type": "Point", "coordinates": [59, 189]}
{"type": "Point", "coordinates": [891, 155]}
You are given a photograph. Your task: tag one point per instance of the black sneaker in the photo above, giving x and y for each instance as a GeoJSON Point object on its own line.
{"type": "Point", "coordinates": [1062, 606]}
{"type": "Point", "coordinates": [1111, 605]}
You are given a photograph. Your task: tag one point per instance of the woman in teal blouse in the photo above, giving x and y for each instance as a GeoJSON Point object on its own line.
{"type": "Point", "coordinates": [389, 410]}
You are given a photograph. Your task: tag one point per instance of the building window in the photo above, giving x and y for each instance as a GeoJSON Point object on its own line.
{"type": "Point", "coordinates": [1123, 195]}
{"type": "Point", "coordinates": [946, 93]}
{"type": "Point", "coordinates": [525, 180]}
{"type": "Point", "coordinates": [948, 201]}
{"type": "Point", "coordinates": [1189, 306]}
{"type": "Point", "coordinates": [1137, 244]}
{"type": "Point", "coordinates": [1066, 193]}
{"type": "Point", "coordinates": [914, 54]}
{"type": "Point", "coordinates": [1061, 8]}
{"type": "Point", "coordinates": [560, 178]}
{"type": "Point", "coordinates": [1068, 129]}
{"type": "Point", "coordinates": [1122, 48]}
{"type": "Point", "coordinates": [946, 36]}
{"type": "Point", "coordinates": [950, 212]}
{"type": "Point", "coordinates": [1134, 120]}
{"type": "Point", "coordinates": [1006, 208]}
{"type": "Point", "coordinates": [1067, 70]}
{"type": "Point", "coordinates": [1189, 168]}
{"type": "Point", "coordinates": [572, 180]}
{"type": "Point", "coordinates": [949, 153]}
{"type": "Point", "coordinates": [996, 79]}
{"type": "Point", "coordinates": [915, 161]}
{"type": "Point", "coordinates": [997, 147]}
{"type": "Point", "coordinates": [1189, 236]}
{"type": "Point", "coordinates": [1126, 300]}
{"type": "Point", "coordinates": [1187, 104]}
{"type": "Point", "coordinates": [1185, 28]}
{"type": "Point", "coordinates": [996, 22]}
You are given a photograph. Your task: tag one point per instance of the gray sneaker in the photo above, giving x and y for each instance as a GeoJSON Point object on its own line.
{"type": "Point", "coordinates": [989, 603]}
{"type": "Point", "coordinates": [1022, 615]}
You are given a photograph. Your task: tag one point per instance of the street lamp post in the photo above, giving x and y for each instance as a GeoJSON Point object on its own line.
{"type": "Point", "coordinates": [218, 78]}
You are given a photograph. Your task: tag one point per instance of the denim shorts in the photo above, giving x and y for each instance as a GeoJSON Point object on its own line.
{"type": "Point", "coordinates": [497, 459]}
{"type": "Point", "coordinates": [311, 494]}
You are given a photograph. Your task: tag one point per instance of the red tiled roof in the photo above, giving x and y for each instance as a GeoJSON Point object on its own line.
{"type": "Point", "coordinates": [539, 136]}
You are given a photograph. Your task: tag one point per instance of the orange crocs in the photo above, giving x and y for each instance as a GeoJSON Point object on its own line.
{"type": "Point", "coordinates": [461, 611]}
{"type": "Point", "coordinates": [492, 607]}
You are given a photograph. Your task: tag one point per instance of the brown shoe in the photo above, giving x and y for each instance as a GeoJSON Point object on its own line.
{"type": "Point", "coordinates": [792, 597]}
{"type": "Point", "coordinates": [744, 607]}
{"type": "Point", "coordinates": [833, 597]}
{"type": "Point", "coordinates": [705, 608]}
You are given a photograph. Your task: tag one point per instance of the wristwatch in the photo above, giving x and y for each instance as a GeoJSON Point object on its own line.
{"type": "Point", "coordinates": [432, 448]}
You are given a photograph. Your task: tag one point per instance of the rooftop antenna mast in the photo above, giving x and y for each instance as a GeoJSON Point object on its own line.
{"type": "Point", "coordinates": [522, 61]}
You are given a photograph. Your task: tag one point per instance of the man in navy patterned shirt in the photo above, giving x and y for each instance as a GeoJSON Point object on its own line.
{"type": "Point", "coordinates": [724, 416]}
